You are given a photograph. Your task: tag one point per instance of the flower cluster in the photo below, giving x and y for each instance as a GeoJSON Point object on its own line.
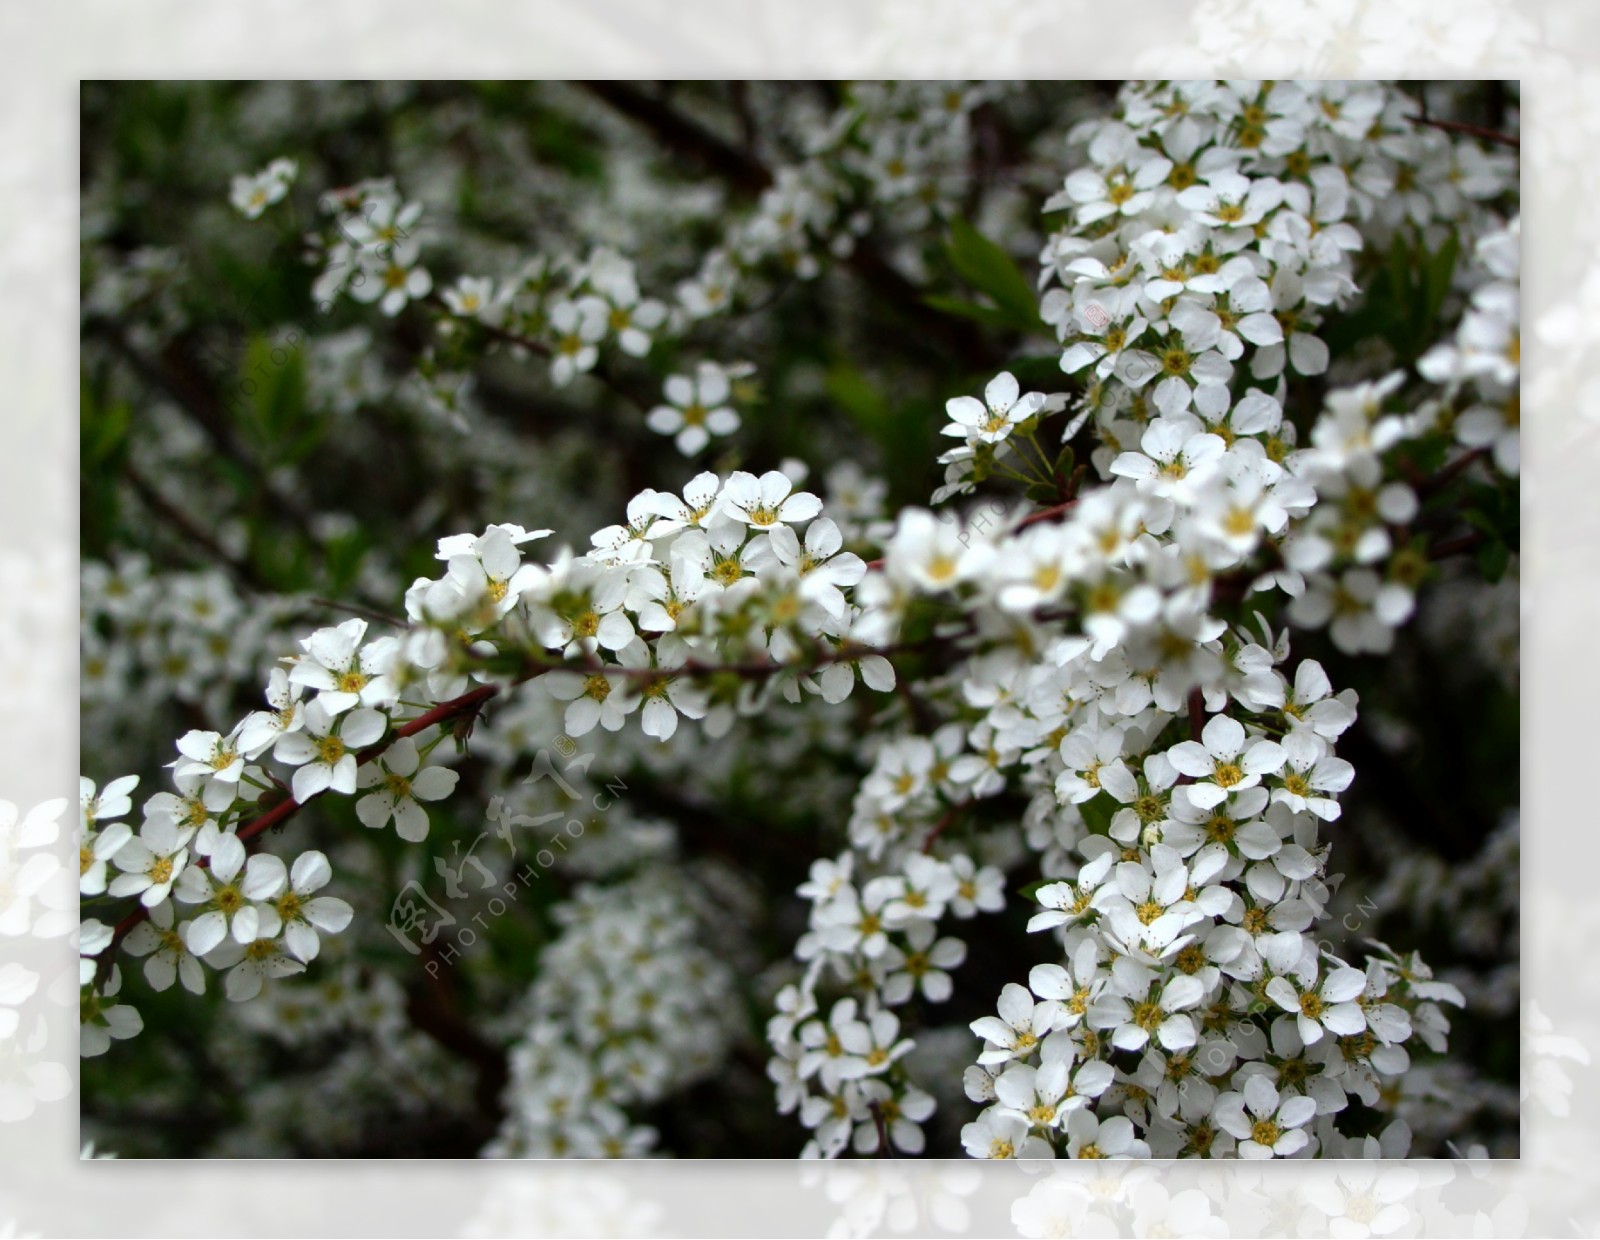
{"type": "Point", "coordinates": [1486, 355]}
{"type": "Point", "coordinates": [879, 935]}
{"type": "Point", "coordinates": [1176, 776]}
{"type": "Point", "coordinates": [1083, 710]}
{"type": "Point", "coordinates": [372, 247]}
{"type": "Point", "coordinates": [629, 1007]}
{"type": "Point", "coordinates": [251, 195]}
{"type": "Point", "coordinates": [896, 150]}
{"type": "Point", "coordinates": [716, 576]}
{"type": "Point", "coordinates": [148, 638]}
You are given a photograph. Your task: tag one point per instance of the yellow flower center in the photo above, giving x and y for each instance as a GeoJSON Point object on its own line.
{"type": "Point", "coordinates": [1176, 361]}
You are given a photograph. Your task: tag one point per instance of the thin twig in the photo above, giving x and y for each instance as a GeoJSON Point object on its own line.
{"type": "Point", "coordinates": [538, 347]}
{"type": "Point", "coordinates": [1433, 485]}
{"type": "Point", "coordinates": [940, 827]}
{"type": "Point", "coordinates": [1046, 514]}
{"type": "Point", "coordinates": [883, 1129]}
{"type": "Point", "coordinates": [467, 703]}
{"type": "Point", "coordinates": [1455, 546]}
{"type": "Point", "coordinates": [1470, 131]}
{"type": "Point", "coordinates": [163, 508]}
{"type": "Point", "coordinates": [366, 613]}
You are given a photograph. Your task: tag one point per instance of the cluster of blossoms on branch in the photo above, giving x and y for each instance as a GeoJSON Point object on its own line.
{"type": "Point", "coordinates": [712, 586]}
{"type": "Point", "coordinates": [1176, 777]}
{"type": "Point", "coordinates": [629, 1007]}
{"type": "Point", "coordinates": [890, 152]}
{"type": "Point", "coordinates": [1485, 359]}
{"type": "Point", "coordinates": [1098, 666]}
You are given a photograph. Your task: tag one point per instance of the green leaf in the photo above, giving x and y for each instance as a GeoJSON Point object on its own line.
{"type": "Point", "coordinates": [905, 433]}
{"type": "Point", "coordinates": [271, 386]}
{"type": "Point", "coordinates": [1493, 559]}
{"type": "Point", "coordinates": [103, 432]}
{"type": "Point", "coordinates": [102, 448]}
{"type": "Point", "coordinates": [989, 316]}
{"type": "Point", "coordinates": [1098, 811]}
{"type": "Point", "coordinates": [990, 270]}
{"type": "Point", "coordinates": [1436, 276]}
{"type": "Point", "coordinates": [851, 390]}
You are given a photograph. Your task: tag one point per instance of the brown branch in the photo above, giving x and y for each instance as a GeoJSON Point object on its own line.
{"type": "Point", "coordinates": [175, 378]}
{"type": "Point", "coordinates": [538, 347]}
{"type": "Point", "coordinates": [944, 823]}
{"type": "Point", "coordinates": [883, 1129]}
{"type": "Point", "coordinates": [431, 1007]}
{"type": "Point", "coordinates": [1046, 514]}
{"type": "Point", "coordinates": [747, 174]}
{"type": "Point", "coordinates": [1456, 546]}
{"type": "Point", "coordinates": [366, 613]}
{"type": "Point", "coordinates": [1437, 482]}
{"type": "Point", "coordinates": [164, 509]}
{"type": "Point", "coordinates": [467, 703]}
{"type": "Point", "coordinates": [683, 136]}
{"type": "Point", "coordinates": [1470, 131]}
